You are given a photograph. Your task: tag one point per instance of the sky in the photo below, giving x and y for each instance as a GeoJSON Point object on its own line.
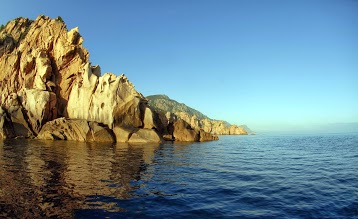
{"type": "Point", "coordinates": [269, 64]}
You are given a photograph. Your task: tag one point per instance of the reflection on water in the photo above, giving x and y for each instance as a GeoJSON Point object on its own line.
{"type": "Point", "coordinates": [54, 178]}
{"type": "Point", "coordinates": [238, 176]}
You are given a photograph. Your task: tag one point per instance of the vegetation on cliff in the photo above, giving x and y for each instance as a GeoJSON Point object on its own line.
{"type": "Point", "coordinates": [164, 104]}
{"type": "Point", "coordinates": [196, 119]}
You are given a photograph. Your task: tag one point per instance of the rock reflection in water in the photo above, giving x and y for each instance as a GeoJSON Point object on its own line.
{"type": "Point", "coordinates": [56, 178]}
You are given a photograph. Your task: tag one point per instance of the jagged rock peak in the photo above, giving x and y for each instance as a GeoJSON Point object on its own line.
{"type": "Point", "coordinates": [49, 90]}
{"type": "Point", "coordinates": [44, 55]}
{"type": "Point", "coordinates": [45, 74]}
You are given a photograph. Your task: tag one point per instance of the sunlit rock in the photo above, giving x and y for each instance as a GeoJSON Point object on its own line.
{"type": "Point", "coordinates": [75, 130]}
{"type": "Point", "coordinates": [183, 132]}
{"type": "Point", "coordinates": [45, 75]}
{"type": "Point", "coordinates": [144, 136]}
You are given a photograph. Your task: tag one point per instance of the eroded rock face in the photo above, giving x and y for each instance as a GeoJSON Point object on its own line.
{"type": "Point", "coordinates": [49, 90]}
{"type": "Point", "coordinates": [205, 136]}
{"type": "Point", "coordinates": [13, 110]}
{"type": "Point", "coordinates": [144, 136]}
{"type": "Point", "coordinates": [183, 132]}
{"type": "Point", "coordinates": [40, 106]}
{"type": "Point", "coordinates": [107, 99]}
{"type": "Point", "coordinates": [76, 130]}
{"type": "Point", "coordinates": [123, 133]}
{"type": "Point", "coordinates": [6, 129]}
{"type": "Point", "coordinates": [47, 57]}
{"type": "Point", "coordinates": [39, 69]}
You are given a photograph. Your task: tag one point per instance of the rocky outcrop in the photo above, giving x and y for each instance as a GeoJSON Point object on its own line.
{"type": "Point", "coordinates": [180, 130]}
{"type": "Point", "coordinates": [37, 72]}
{"type": "Point", "coordinates": [135, 135]}
{"type": "Point", "coordinates": [46, 57]}
{"type": "Point", "coordinates": [183, 132]}
{"type": "Point", "coordinates": [49, 90]}
{"type": "Point", "coordinates": [144, 136]}
{"type": "Point", "coordinates": [197, 120]}
{"type": "Point", "coordinates": [220, 127]}
{"type": "Point", "coordinates": [107, 99]}
{"type": "Point", "coordinates": [205, 136]}
{"type": "Point", "coordinates": [76, 130]}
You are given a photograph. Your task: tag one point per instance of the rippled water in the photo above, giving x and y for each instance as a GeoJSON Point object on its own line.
{"type": "Point", "coordinates": [242, 176]}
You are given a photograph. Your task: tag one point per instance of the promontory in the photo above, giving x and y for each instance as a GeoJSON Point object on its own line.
{"type": "Point", "coordinates": [50, 90]}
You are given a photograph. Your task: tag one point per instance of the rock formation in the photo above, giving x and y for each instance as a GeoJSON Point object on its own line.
{"type": "Point", "coordinates": [75, 129]}
{"type": "Point", "coordinates": [182, 131]}
{"type": "Point", "coordinates": [49, 90]}
{"type": "Point", "coordinates": [172, 109]}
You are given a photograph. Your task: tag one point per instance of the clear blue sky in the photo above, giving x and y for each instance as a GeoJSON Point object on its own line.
{"type": "Point", "coordinates": [270, 64]}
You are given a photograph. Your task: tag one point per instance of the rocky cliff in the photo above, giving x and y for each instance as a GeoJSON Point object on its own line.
{"type": "Point", "coordinates": [49, 90]}
{"type": "Point", "coordinates": [196, 119]}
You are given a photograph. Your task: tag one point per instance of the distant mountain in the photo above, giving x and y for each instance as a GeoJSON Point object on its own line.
{"type": "Point", "coordinates": [247, 129]}
{"type": "Point", "coordinates": [164, 104]}
{"type": "Point", "coordinates": [170, 107]}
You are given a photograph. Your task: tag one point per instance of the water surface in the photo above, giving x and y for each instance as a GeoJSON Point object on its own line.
{"type": "Point", "coordinates": [242, 176]}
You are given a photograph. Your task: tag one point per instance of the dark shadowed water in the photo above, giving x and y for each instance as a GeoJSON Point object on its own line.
{"type": "Point", "coordinates": [241, 176]}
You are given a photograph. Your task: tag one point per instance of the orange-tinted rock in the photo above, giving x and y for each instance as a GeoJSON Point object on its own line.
{"type": "Point", "coordinates": [145, 136]}
{"type": "Point", "coordinates": [75, 130]}
{"type": "Point", "coordinates": [205, 136]}
{"type": "Point", "coordinates": [184, 132]}
{"type": "Point", "coordinates": [123, 134]}
{"type": "Point", "coordinates": [45, 74]}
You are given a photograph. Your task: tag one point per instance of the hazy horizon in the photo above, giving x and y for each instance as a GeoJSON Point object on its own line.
{"type": "Point", "coordinates": [328, 128]}
{"type": "Point", "coordinates": [288, 65]}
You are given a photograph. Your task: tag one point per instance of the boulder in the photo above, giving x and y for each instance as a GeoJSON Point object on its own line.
{"type": "Point", "coordinates": [75, 130]}
{"type": "Point", "coordinates": [205, 136]}
{"type": "Point", "coordinates": [29, 110]}
{"type": "Point", "coordinates": [17, 118]}
{"type": "Point", "coordinates": [122, 134]}
{"type": "Point", "coordinates": [184, 132]}
{"type": "Point", "coordinates": [40, 107]}
{"type": "Point", "coordinates": [19, 123]}
{"type": "Point", "coordinates": [145, 136]}
{"type": "Point", "coordinates": [99, 133]}
{"type": "Point", "coordinates": [149, 119]}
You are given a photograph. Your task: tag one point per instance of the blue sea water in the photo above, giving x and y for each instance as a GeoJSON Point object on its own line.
{"type": "Point", "coordinates": [262, 176]}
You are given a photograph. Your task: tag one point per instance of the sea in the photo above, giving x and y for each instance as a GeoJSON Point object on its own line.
{"type": "Point", "coordinates": [254, 176]}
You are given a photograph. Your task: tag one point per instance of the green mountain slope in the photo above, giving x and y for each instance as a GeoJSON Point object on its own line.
{"type": "Point", "coordinates": [164, 104]}
{"type": "Point", "coordinates": [196, 119]}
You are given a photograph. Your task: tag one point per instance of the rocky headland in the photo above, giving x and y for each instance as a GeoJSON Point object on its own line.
{"type": "Point", "coordinates": [50, 90]}
{"type": "Point", "coordinates": [175, 110]}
